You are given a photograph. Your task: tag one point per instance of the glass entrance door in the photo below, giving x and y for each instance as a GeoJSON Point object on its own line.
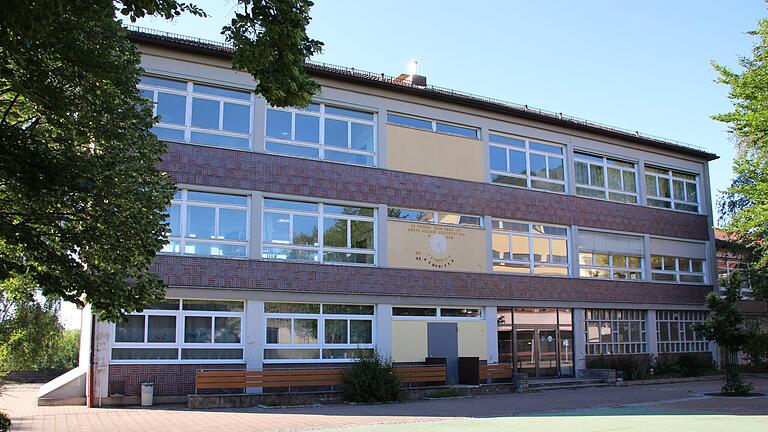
{"type": "Point", "coordinates": [536, 351]}
{"type": "Point", "coordinates": [525, 351]}
{"type": "Point", "coordinates": [547, 352]}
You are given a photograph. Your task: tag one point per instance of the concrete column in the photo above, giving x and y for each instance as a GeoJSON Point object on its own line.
{"type": "Point", "coordinates": [488, 226]}
{"type": "Point", "coordinates": [647, 257]}
{"type": "Point", "coordinates": [101, 354]}
{"type": "Point", "coordinates": [254, 338]}
{"type": "Point", "coordinates": [254, 244]}
{"type": "Point", "coordinates": [492, 334]}
{"type": "Point", "coordinates": [381, 236]}
{"type": "Point", "coordinates": [650, 333]}
{"type": "Point", "coordinates": [573, 246]}
{"type": "Point", "coordinates": [381, 138]}
{"type": "Point", "coordinates": [485, 140]}
{"type": "Point", "coordinates": [579, 340]}
{"type": "Point", "coordinates": [383, 335]}
{"type": "Point", "coordinates": [259, 122]}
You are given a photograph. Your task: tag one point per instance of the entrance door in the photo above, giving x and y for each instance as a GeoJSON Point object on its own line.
{"type": "Point", "coordinates": [443, 341]}
{"type": "Point", "coordinates": [547, 352]}
{"type": "Point", "coordinates": [536, 351]}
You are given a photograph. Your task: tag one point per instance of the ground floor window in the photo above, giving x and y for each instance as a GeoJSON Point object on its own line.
{"type": "Point", "coordinates": [675, 331]}
{"type": "Point", "coordinates": [306, 332]}
{"type": "Point", "coordinates": [187, 330]}
{"type": "Point", "coordinates": [615, 331]}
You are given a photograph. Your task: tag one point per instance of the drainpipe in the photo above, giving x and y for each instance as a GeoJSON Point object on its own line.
{"type": "Point", "coordinates": [91, 368]}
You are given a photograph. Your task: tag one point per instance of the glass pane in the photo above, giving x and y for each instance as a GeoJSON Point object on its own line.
{"type": "Point", "coordinates": [276, 228]}
{"type": "Point", "coordinates": [305, 230]}
{"type": "Point", "coordinates": [304, 331]}
{"type": "Point", "coordinates": [679, 189]}
{"type": "Point", "coordinates": [217, 198]}
{"type": "Point", "coordinates": [456, 130]}
{"type": "Point", "coordinates": [211, 354]}
{"type": "Point", "coordinates": [548, 186]}
{"type": "Point", "coordinates": [218, 91]}
{"type": "Point", "coordinates": [409, 121]}
{"type": "Point", "coordinates": [335, 232]}
{"type": "Point", "coordinates": [279, 124]}
{"type": "Point", "coordinates": [361, 331]}
{"type": "Point", "coordinates": [585, 258]}
{"type": "Point", "coordinates": [335, 331]}
{"type": "Point", "coordinates": [697, 266]}
{"type": "Point", "coordinates": [602, 260]}
{"type": "Point", "coordinates": [162, 82]}
{"type": "Point", "coordinates": [161, 329]}
{"type": "Point", "coordinates": [582, 173]}
{"type": "Point", "coordinates": [278, 330]}
{"type": "Point", "coordinates": [344, 353]}
{"type": "Point", "coordinates": [521, 248]}
{"type": "Point", "coordinates": [556, 170]}
{"type": "Point", "coordinates": [171, 108]}
{"type": "Point", "coordinates": [205, 113]}
{"type": "Point", "coordinates": [343, 309]}
{"type": "Point", "coordinates": [614, 179]}
{"type": "Point", "coordinates": [619, 261]}
{"type": "Point", "coordinates": [201, 222]}
{"type": "Point", "coordinates": [533, 145]}
{"type": "Point", "coordinates": [292, 308]}
{"type": "Point", "coordinates": [197, 329]}
{"type": "Point", "coordinates": [352, 258]}
{"type": "Point", "coordinates": [350, 158]}
{"type": "Point", "coordinates": [362, 137]}
{"type": "Point", "coordinates": [498, 158]}
{"type": "Point", "coordinates": [541, 250]}
{"type": "Point", "coordinates": [290, 205]}
{"type": "Point", "coordinates": [213, 305]}
{"type": "Point", "coordinates": [414, 311]}
{"type": "Point", "coordinates": [307, 128]}
{"type": "Point", "coordinates": [336, 133]}
{"type": "Point", "coordinates": [514, 181]}
{"type": "Point", "coordinates": [538, 165]}
{"type": "Point", "coordinates": [629, 181]}
{"type": "Point", "coordinates": [166, 304]}
{"type": "Point", "coordinates": [168, 134]}
{"type": "Point", "coordinates": [663, 276]}
{"type": "Point", "coordinates": [219, 140]}
{"type": "Point", "coordinates": [145, 354]}
{"type": "Point", "coordinates": [517, 164]}
{"type": "Point", "coordinates": [292, 150]}
{"type": "Point", "coordinates": [590, 192]}
{"type": "Point", "coordinates": [237, 118]}
{"type": "Point", "coordinates": [559, 251]}
{"type": "Point", "coordinates": [659, 203]}
{"type": "Point", "coordinates": [664, 188]}
{"type": "Point", "coordinates": [345, 112]}
{"type": "Point", "coordinates": [650, 186]}
{"type": "Point", "coordinates": [634, 262]}
{"type": "Point", "coordinates": [291, 354]}
{"type": "Point", "coordinates": [597, 175]}
{"type": "Point", "coordinates": [214, 249]}
{"type": "Point", "coordinates": [690, 193]}
{"type": "Point", "coordinates": [692, 278]}
{"type": "Point", "coordinates": [669, 263]}
{"type": "Point", "coordinates": [130, 330]}
{"type": "Point", "coordinates": [174, 219]}
{"type": "Point", "coordinates": [348, 210]}
{"type": "Point", "coordinates": [460, 312]}
{"type": "Point", "coordinates": [226, 330]}
{"type": "Point", "coordinates": [507, 140]}
{"type": "Point", "coordinates": [232, 224]}
{"type": "Point", "coordinates": [501, 249]}
{"type": "Point", "coordinates": [362, 235]}
{"type": "Point", "coordinates": [289, 254]}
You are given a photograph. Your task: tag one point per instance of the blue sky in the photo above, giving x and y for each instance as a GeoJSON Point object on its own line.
{"type": "Point", "coordinates": [639, 65]}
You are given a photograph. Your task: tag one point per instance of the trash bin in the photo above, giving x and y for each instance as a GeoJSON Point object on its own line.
{"type": "Point", "coordinates": [147, 393]}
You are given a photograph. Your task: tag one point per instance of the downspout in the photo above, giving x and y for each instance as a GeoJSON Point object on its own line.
{"type": "Point", "coordinates": [91, 368]}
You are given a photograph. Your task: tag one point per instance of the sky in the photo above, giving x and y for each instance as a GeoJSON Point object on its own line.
{"type": "Point", "coordinates": [641, 65]}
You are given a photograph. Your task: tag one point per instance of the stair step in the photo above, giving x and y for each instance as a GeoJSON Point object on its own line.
{"type": "Point", "coordinates": [569, 385]}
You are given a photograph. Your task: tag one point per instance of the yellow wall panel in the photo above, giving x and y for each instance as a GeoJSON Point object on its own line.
{"type": "Point", "coordinates": [409, 341]}
{"type": "Point", "coordinates": [437, 154]}
{"type": "Point", "coordinates": [435, 247]}
{"type": "Point", "coordinates": [472, 339]}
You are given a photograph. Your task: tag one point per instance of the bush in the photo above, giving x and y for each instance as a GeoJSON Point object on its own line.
{"type": "Point", "coordinates": [734, 385]}
{"type": "Point", "coordinates": [756, 351]}
{"type": "Point", "coordinates": [666, 367]}
{"type": "Point", "coordinates": [371, 379]}
{"type": "Point", "coordinates": [5, 422]}
{"type": "Point", "coordinates": [630, 366]}
{"type": "Point", "coordinates": [692, 365]}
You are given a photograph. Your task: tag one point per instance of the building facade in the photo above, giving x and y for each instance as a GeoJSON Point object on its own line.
{"type": "Point", "coordinates": [416, 220]}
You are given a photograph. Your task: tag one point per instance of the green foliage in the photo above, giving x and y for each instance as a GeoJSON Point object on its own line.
{"type": "Point", "coordinates": [271, 43]}
{"type": "Point", "coordinates": [692, 365]}
{"type": "Point", "coordinates": [82, 205]}
{"type": "Point", "coordinates": [756, 351]}
{"type": "Point", "coordinates": [445, 393]}
{"type": "Point", "coordinates": [30, 335]}
{"type": "Point", "coordinates": [630, 366]}
{"type": "Point", "coordinates": [371, 379]}
{"type": "Point", "coordinates": [5, 422]}
{"type": "Point", "coordinates": [666, 368]}
{"type": "Point", "coordinates": [735, 385]}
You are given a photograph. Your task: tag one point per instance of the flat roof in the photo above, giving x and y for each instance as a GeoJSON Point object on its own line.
{"type": "Point", "coordinates": [219, 49]}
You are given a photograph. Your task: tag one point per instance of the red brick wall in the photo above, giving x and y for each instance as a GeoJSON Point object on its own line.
{"type": "Point", "coordinates": [169, 379]}
{"type": "Point", "coordinates": [321, 278]}
{"type": "Point", "coordinates": [208, 166]}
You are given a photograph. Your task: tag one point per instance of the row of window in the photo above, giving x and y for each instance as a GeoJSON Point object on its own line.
{"type": "Point", "coordinates": [214, 224]}
{"type": "Point", "coordinates": [202, 114]}
{"type": "Point", "coordinates": [675, 331]}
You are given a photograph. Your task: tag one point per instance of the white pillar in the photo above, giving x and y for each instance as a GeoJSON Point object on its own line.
{"type": "Point", "coordinates": [650, 333]}
{"type": "Point", "coordinates": [103, 336]}
{"type": "Point", "coordinates": [254, 338]}
{"type": "Point", "coordinates": [384, 329]}
{"type": "Point", "coordinates": [579, 340]}
{"type": "Point", "coordinates": [492, 333]}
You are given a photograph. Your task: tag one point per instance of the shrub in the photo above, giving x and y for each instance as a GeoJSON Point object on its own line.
{"type": "Point", "coordinates": [666, 367]}
{"type": "Point", "coordinates": [5, 422]}
{"type": "Point", "coordinates": [629, 366]}
{"type": "Point", "coordinates": [756, 351]}
{"type": "Point", "coordinates": [692, 365]}
{"type": "Point", "coordinates": [734, 385]}
{"type": "Point", "coordinates": [371, 379]}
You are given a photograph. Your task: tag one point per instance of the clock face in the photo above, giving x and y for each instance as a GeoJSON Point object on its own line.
{"type": "Point", "coordinates": [439, 244]}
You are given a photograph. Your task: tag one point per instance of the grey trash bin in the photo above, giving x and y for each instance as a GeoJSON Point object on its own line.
{"type": "Point", "coordinates": [147, 393]}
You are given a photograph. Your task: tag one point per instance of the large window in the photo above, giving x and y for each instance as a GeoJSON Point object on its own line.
{"type": "Point", "coordinates": [605, 178]}
{"type": "Point", "coordinates": [615, 331]}
{"type": "Point", "coordinates": [310, 231]}
{"type": "Point", "coordinates": [671, 189]}
{"type": "Point", "coordinates": [432, 313]}
{"type": "Point", "coordinates": [433, 126]}
{"type": "Point", "coordinates": [675, 332]}
{"type": "Point", "coordinates": [522, 247]}
{"type": "Point", "coordinates": [198, 113]}
{"type": "Point", "coordinates": [606, 266]}
{"type": "Point", "coordinates": [531, 164]}
{"type": "Point", "coordinates": [677, 269]}
{"type": "Point", "coordinates": [183, 330]}
{"type": "Point", "coordinates": [434, 217]}
{"type": "Point", "coordinates": [305, 332]}
{"type": "Point", "coordinates": [204, 223]}
{"type": "Point", "coordinates": [322, 131]}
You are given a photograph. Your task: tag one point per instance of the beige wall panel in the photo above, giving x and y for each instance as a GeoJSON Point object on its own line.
{"type": "Point", "coordinates": [435, 247]}
{"type": "Point", "coordinates": [436, 154]}
{"type": "Point", "coordinates": [409, 341]}
{"type": "Point", "coordinates": [472, 339]}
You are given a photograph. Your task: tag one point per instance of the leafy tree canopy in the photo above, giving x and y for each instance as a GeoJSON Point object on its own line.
{"type": "Point", "coordinates": [82, 206]}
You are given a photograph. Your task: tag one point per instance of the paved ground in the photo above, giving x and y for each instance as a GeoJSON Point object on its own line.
{"type": "Point", "coordinates": [660, 407]}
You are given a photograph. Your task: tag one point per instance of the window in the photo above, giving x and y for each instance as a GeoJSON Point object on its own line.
{"type": "Point", "coordinates": [184, 330]}
{"type": "Point", "coordinates": [676, 269]}
{"type": "Point", "coordinates": [309, 231]}
{"type": "Point", "coordinates": [522, 247]}
{"type": "Point", "coordinates": [615, 331]}
{"type": "Point", "coordinates": [198, 113]}
{"type": "Point", "coordinates": [623, 267]}
{"type": "Point", "coordinates": [531, 164]}
{"type": "Point", "coordinates": [324, 132]}
{"type": "Point", "coordinates": [205, 223]}
{"type": "Point", "coordinates": [305, 332]}
{"type": "Point", "coordinates": [434, 217]}
{"type": "Point", "coordinates": [433, 126]}
{"type": "Point", "coordinates": [671, 189]}
{"type": "Point", "coordinates": [728, 265]}
{"type": "Point", "coordinates": [675, 333]}
{"type": "Point", "coordinates": [451, 313]}
{"type": "Point", "coordinates": [605, 178]}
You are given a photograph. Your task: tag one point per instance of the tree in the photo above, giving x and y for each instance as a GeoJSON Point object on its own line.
{"type": "Point", "coordinates": [82, 205]}
{"type": "Point", "coordinates": [744, 205]}
{"type": "Point", "coordinates": [725, 326]}
{"type": "Point", "coordinates": [30, 335]}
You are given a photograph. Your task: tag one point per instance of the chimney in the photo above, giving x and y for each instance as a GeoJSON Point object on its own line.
{"type": "Point", "coordinates": [413, 77]}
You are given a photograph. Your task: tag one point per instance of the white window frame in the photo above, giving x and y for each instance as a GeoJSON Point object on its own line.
{"type": "Point", "coordinates": [682, 317]}
{"type": "Point", "coordinates": [577, 158]}
{"type": "Point", "coordinates": [612, 317]}
{"type": "Point", "coordinates": [531, 236]}
{"type": "Point", "coordinates": [611, 268]}
{"type": "Point", "coordinates": [729, 265]}
{"type": "Point", "coordinates": [322, 116]}
{"type": "Point", "coordinates": [677, 272]}
{"type": "Point", "coordinates": [439, 316]}
{"type": "Point", "coordinates": [189, 94]}
{"type": "Point", "coordinates": [434, 125]}
{"type": "Point", "coordinates": [670, 176]}
{"type": "Point", "coordinates": [182, 239]}
{"type": "Point", "coordinates": [528, 152]}
{"type": "Point", "coordinates": [321, 215]}
{"type": "Point", "coordinates": [180, 345]}
{"type": "Point", "coordinates": [321, 344]}
{"type": "Point", "coordinates": [436, 218]}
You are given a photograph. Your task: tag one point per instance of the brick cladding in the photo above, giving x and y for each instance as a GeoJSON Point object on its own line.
{"type": "Point", "coordinates": [209, 166]}
{"type": "Point", "coordinates": [169, 379]}
{"type": "Point", "coordinates": [260, 275]}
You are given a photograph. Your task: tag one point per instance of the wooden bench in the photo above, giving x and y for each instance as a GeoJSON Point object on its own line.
{"type": "Point", "coordinates": [418, 374]}
{"type": "Point", "coordinates": [496, 371]}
